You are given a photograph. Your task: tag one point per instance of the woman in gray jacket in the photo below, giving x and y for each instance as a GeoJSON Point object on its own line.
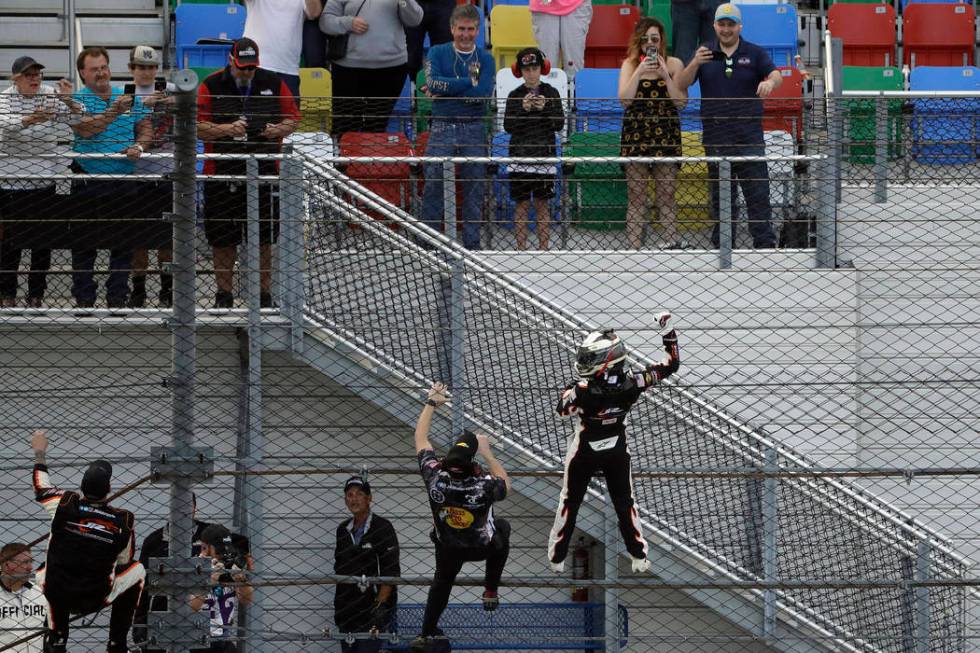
{"type": "Point", "coordinates": [368, 80]}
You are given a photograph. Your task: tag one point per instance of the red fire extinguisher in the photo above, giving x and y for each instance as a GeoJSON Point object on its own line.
{"type": "Point", "coordinates": [580, 570]}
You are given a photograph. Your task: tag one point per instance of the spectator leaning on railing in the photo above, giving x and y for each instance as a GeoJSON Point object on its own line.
{"type": "Point", "coordinates": [459, 77]}
{"type": "Point", "coordinates": [242, 109]}
{"type": "Point", "coordinates": [369, 79]}
{"type": "Point", "coordinates": [34, 119]}
{"type": "Point", "coordinates": [113, 123]}
{"type": "Point", "coordinates": [735, 77]}
{"type": "Point", "coordinates": [651, 128]}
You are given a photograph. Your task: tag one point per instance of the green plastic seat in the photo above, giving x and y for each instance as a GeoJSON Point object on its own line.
{"type": "Point", "coordinates": [861, 112]}
{"type": "Point", "coordinates": [598, 190]}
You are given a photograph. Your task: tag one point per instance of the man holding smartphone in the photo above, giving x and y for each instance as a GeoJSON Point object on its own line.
{"type": "Point", "coordinates": [735, 77]}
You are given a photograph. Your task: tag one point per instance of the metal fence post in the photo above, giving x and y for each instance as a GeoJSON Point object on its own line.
{"type": "Point", "coordinates": [181, 464]}
{"type": "Point", "coordinates": [291, 244]}
{"type": "Point", "coordinates": [449, 199]}
{"type": "Point", "coordinates": [881, 149]}
{"type": "Point", "coordinates": [923, 552]}
{"type": "Point", "coordinates": [835, 124]}
{"type": "Point", "coordinates": [457, 303]}
{"type": "Point", "coordinates": [725, 215]}
{"type": "Point", "coordinates": [610, 547]}
{"type": "Point", "coordinates": [770, 523]}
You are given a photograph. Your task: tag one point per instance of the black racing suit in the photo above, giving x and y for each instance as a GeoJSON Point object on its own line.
{"type": "Point", "coordinates": [600, 405]}
{"type": "Point", "coordinates": [89, 562]}
{"type": "Point", "coordinates": [465, 531]}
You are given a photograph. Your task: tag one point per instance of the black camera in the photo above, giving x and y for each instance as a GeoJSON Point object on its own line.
{"type": "Point", "coordinates": [230, 554]}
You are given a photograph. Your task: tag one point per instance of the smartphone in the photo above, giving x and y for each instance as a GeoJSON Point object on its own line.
{"type": "Point", "coordinates": [160, 85]}
{"type": "Point", "coordinates": [718, 55]}
{"type": "Point", "coordinates": [129, 89]}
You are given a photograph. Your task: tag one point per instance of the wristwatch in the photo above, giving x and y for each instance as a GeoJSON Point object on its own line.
{"type": "Point", "coordinates": [429, 402]}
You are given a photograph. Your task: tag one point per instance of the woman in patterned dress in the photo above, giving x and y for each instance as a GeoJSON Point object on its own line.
{"type": "Point", "coordinates": [651, 128]}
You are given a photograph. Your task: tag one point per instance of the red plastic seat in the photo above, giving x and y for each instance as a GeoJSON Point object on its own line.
{"type": "Point", "coordinates": [609, 35]}
{"type": "Point", "coordinates": [868, 32]}
{"type": "Point", "coordinates": [783, 110]}
{"type": "Point", "coordinates": [391, 180]}
{"type": "Point", "coordinates": [938, 34]}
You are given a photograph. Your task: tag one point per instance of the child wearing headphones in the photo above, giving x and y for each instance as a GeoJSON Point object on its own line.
{"type": "Point", "coordinates": [533, 116]}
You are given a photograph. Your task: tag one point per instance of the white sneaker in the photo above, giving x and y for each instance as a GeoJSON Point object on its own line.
{"type": "Point", "coordinates": [641, 565]}
{"type": "Point", "coordinates": [557, 567]}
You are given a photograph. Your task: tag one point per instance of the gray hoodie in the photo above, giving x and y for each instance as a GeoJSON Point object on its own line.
{"type": "Point", "coordinates": [383, 45]}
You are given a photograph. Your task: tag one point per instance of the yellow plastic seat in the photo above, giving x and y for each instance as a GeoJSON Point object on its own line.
{"type": "Point", "coordinates": [316, 99]}
{"type": "Point", "coordinates": [510, 32]}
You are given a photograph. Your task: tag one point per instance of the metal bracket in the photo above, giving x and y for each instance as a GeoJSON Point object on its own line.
{"type": "Point", "coordinates": [193, 463]}
{"type": "Point", "coordinates": [169, 216]}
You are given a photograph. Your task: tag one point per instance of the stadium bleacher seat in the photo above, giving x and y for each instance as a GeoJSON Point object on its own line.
{"type": "Point", "coordinates": [206, 21]}
{"type": "Point", "coordinates": [783, 110]}
{"type": "Point", "coordinates": [868, 33]}
{"type": "Point", "coordinates": [660, 9]}
{"type": "Point", "coordinates": [503, 205]}
{"type": "Point", "coordinates": [392, 181]}
{"type": "Point", "coordinates": [938, 34]}
{"type": "Point", "coordinates": [861, 132]}
{"type": "Point", "coordinates": [402, 119]}
{"type": "Point", "coordinates": [609, 35]}
{"type": "Point", "coordinates": [691, 113]}
{"type": "Point", "coordinates": [774, 27]}
{"type": "Point", "coordinates": [945, 129]}
{"type": "Point", "coordinates": [598, 190]}
{"type": "Point", "coordinates": [316, 103]}
{"type": "Point", "coordinates": [596, 100]}
{"type": "Point", "coordinates": [903, 3]}
{"type": "Point", "coordinates": [510, 32]}
{"type": "Point", "coordinates": [506, 82]}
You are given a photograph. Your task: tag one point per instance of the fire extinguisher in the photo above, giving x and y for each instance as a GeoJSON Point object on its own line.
{"type": "Point", "coordinates": [580, 570]}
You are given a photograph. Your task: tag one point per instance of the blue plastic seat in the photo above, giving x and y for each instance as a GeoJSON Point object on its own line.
{"type": "Point", "coordinates": [945, 129]}
{"type": "Point", "coordinates": [691, 113]}
{"type": "Point", "coordinates": [401, 115]}
{"type": "Point", "coordinates": [597, 100]}
{"type": "Point", "coordinates": [195, 22]}
{"type": "Point", "coordinates": [504, 208]}
{"type": "Point", "coordinates": [774, 27]}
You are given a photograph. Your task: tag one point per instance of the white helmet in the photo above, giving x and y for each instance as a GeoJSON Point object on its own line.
{"type": "Point", "coordinates": [599, 351]}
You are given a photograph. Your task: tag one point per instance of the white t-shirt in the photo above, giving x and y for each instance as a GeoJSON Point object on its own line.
{"type": "Point", "coordinates": [277, 26]}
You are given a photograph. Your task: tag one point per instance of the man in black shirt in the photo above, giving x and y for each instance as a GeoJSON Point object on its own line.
{"type": "Point", "coordinates": [89, 563]}
{"type": "Point", "coordinates": [367, 545]}
{"type": "Point", "coordinates": [461, 497]}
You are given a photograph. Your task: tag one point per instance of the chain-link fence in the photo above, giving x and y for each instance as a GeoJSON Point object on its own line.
{"type": "Point", "coordinates": [803, 482]}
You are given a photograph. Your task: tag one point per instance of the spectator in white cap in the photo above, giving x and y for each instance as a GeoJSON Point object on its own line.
{"type": "Point", "coordinates": [735, 77]}
{"type": "Point", "coordinates": [34, 120]}
{"type": "Point", "coordinates": [277, 27]}
{"type": "Point", "coordinates": [144, 63]}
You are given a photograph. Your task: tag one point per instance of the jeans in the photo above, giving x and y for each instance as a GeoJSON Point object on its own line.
{"type": "Point", "coordinates": [693, 25]}
{"type": "Point", "coordinates": [459, 137]}
{"type": "Point", "coordinates": [83, 276]}
{"type": "Point", "coordinates": [753, 177]}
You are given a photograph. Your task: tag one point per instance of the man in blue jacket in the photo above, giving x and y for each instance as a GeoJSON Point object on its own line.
{"type": "Point", "coordinates": [459, 77]}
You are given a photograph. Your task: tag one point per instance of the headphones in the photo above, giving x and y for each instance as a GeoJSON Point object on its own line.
{"type": "Point", "coordinates": [545, 67]}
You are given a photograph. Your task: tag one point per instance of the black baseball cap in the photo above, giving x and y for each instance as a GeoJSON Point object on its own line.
{"type": "Point", "coordinates": [245, 53]}
{"type": "Point", "coordinates": [530, 57]}
{"type": "Point", "coordinates": [215, 534]}
{"type": "Point", "coordinates": [358, 482]}
{"type": "Point", "coordinates": [460, 457]}
{"type": "Point", "coordinates": [96, 481]}
{"type": "Point", "coordinates": [24, 63]}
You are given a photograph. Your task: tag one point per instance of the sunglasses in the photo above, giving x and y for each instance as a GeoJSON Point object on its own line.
{"type": "Point", "coordinates": [646, 39]}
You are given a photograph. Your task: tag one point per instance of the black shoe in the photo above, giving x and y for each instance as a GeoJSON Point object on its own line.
{"type": "Point", "coordinates": [418, 645]}
{"type": "Point", "coordinates": [166, 298]}
{"type": "Point", "coordinates": [117, 302]}
{"type": "Point", "coordinates": [83, 308]}
{"type": "Point", "coordinates": [35, 302]}
{"type": "Point", "coordinates": [53, 644]}
{"type": "Point", "coordinates": [265, 300]}
{"type": "Point", "coordinates": [224, 299]}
